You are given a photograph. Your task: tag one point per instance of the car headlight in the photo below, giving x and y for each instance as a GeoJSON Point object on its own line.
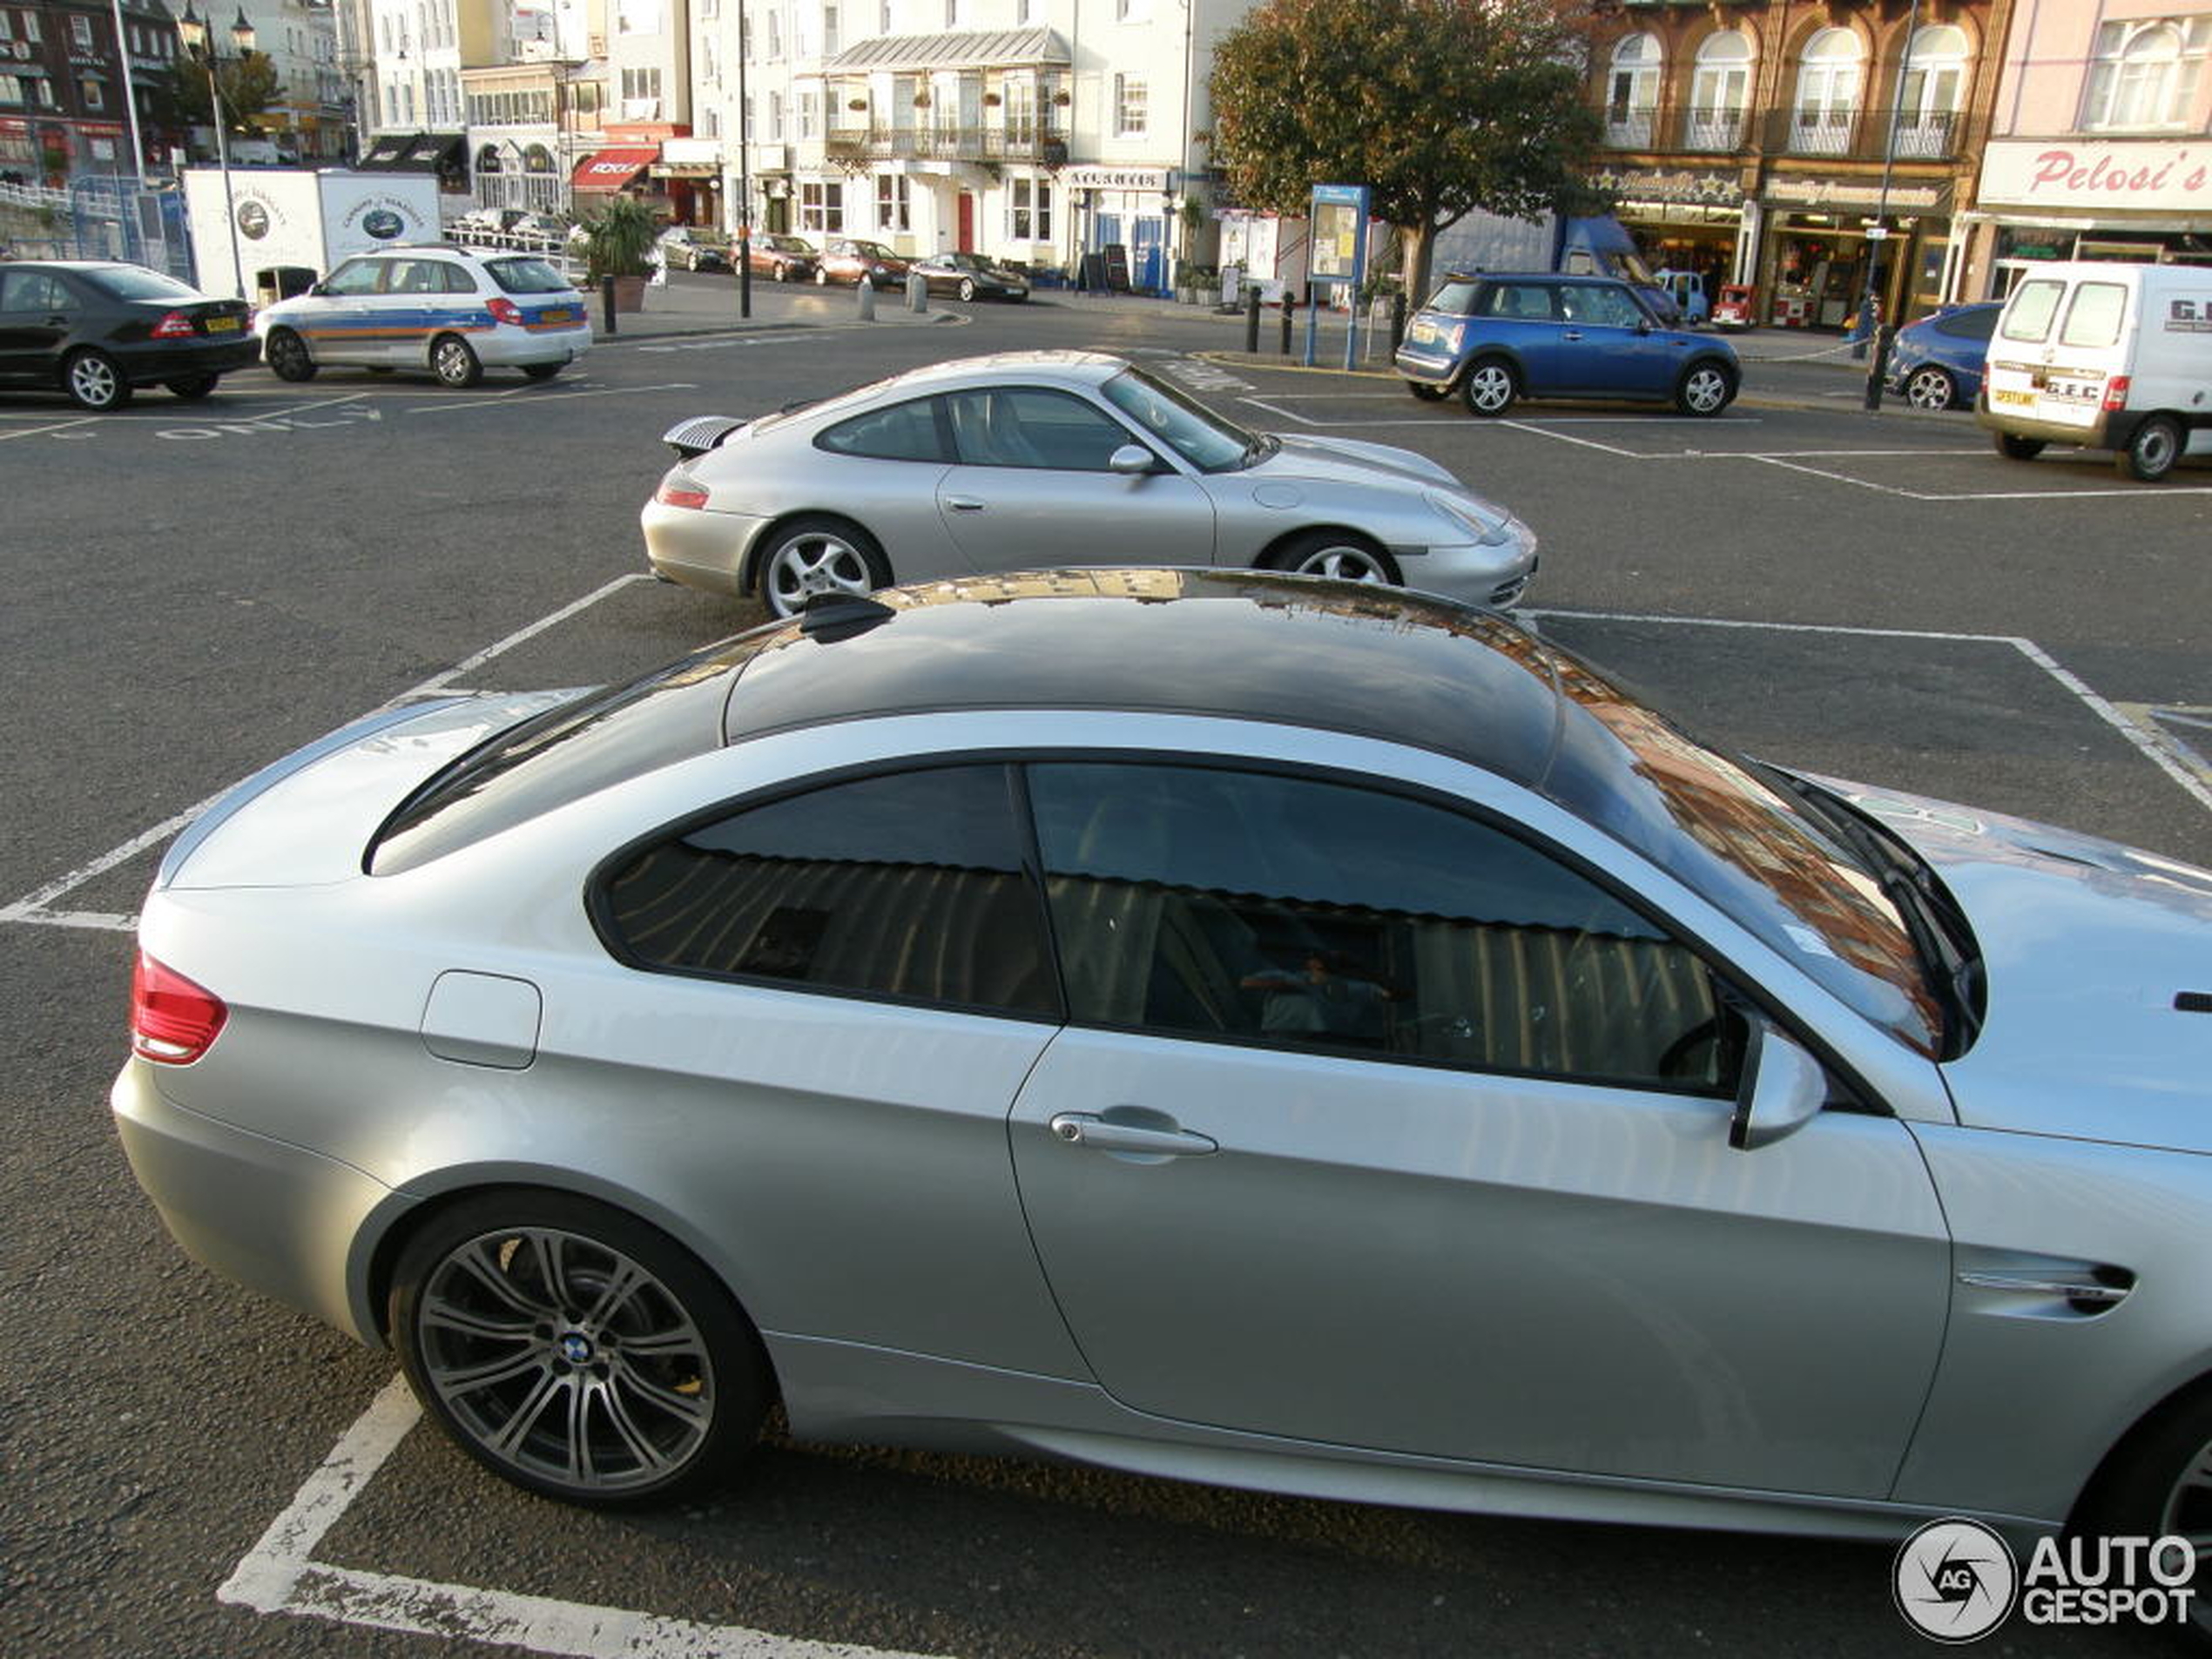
{"type": "Point", "coordinates": [1464, 514]}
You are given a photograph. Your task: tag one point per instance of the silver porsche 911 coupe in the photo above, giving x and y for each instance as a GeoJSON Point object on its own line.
{"type": "Point", "coordinates": [1225, 1025]}
{"type": "Point", "coordinates": [977, 465]}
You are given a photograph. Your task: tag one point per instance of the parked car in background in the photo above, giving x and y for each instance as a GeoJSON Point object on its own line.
{"type": "Point", "coordinates": [846, 259]}
{"type": "Point", "coordinates": [1495, 338]}
{"type": "Point", "coordinates": [786, 259]}
{"type": "Point", "coordinates": [1235, 1027]}
{"type": "Point", "coordinates": [453, 310]}
{"type": "Point", "coordinates": [96, 329]}
{"type": "Point", "coordinates": [970, 276]}
{"type": "Point", "coordinates": [1936, 362]}
{"type": "Point", "coordinates": [695, 248]}
{"type": "Point", "coordinates": [982, 464]}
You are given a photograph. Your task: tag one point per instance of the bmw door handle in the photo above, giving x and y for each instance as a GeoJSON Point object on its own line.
{"type": "Point", "coordinates": [964, 504]}
{"type": "Point", "coordinates": [1102, 1134]}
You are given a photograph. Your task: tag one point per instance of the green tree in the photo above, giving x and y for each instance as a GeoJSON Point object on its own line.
{"type": "Point", "coordinates": [248, 85]}
{"type": "Point", "coordinates": [1439, 107]}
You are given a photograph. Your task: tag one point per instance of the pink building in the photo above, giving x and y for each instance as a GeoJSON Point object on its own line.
{"type": "Point", "coordinates": [2100, 142]}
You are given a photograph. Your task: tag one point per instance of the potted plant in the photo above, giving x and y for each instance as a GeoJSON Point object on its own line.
{"type": "Point", "coordinates": [618, 243]}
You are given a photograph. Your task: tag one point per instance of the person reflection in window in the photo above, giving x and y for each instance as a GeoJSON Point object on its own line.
{"type": "Point", "coordinates": [1320, 998]}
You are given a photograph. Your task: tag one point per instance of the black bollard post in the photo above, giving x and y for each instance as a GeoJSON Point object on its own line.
{"type": "Point", "coordinates": [1397, 319]}
{"type": "Point", "coordinates": [1251, 318]}
{"type": "Point", "coordinates": [744, 271]}
{"type": "Point", "coordinates": [1290, 308]}
{"type": "Point", "coordinates": [607, 302]}
{"type": "Point", "coordinates": [1885, 337]}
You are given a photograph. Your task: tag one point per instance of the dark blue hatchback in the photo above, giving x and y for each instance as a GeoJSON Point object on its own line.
{"type": "Point", "coordinates": [1936, 363]}
{"type": "Point", "coordinates": [1495, 338]}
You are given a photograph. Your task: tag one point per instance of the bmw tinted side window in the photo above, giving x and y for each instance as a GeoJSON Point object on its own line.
{"type": "Point", "coordinates": [903, 432]}
{"type": "Point", "coordinates": [1300, 912]}
{"type": "Point", "coordinates": [907, 886]}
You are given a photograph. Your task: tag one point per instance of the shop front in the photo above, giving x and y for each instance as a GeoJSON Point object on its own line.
{"type": "Point", "coordinates": [2143, 199]}
{"type": "Point", "coordinates": [1820, 235]}
{"type": "Point", "coordinates": [1684, 220]}
{"type": "Point", "coordinates": [1121, 219]}
{"type": "Point", "coordinates": [689, 172]}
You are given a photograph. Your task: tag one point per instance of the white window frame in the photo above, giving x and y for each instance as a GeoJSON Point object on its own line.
{"type": "Point", "coordinates": [893, 202]}
{"type": "Point", "coordinates": [1131, 97]}
{"type": "Point", "coordinates": [2143, 75]}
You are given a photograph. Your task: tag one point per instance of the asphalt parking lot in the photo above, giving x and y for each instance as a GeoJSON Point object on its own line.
{"type": "Point", "coordinates": [194, 590]}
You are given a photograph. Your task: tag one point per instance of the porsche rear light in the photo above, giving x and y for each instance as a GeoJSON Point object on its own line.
{"type": "Point", "coordinates": [173, 1021]}
{"type": "Point", "coordinates": [2116, 392]}
{"type": "Point", "coordinates": [675, 491]}
{"type": "Point", "coordinates": [505, 310]}
{"type": "Point", "coordinates": [175, 326]}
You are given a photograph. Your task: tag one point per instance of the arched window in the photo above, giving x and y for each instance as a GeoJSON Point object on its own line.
{"type": "Point", "coordinates": [1934, 91]}
{"type": "Point", "coordinates": [537, 158]}
{"type": "Point", "coordinates": [1719, 91]}
{"type": "Point", "coordinates": [2145, 72]}
{"type": "Point", "coordinates": [1632, 91]}
{"type": "Point", "coordinates": [488, 160]}
{"type": "Point", "coordinates": [1828, 72]}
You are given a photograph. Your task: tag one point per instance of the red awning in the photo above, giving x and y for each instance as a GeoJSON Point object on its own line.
{"type": "Point", "coordinates": [612, 169]}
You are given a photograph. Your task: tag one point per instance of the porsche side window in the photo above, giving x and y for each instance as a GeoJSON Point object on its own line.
{"type": "Point", "coordinates": [1307, 913]}
{"type": "Point", "coordinates": [909, 886]}
{"type": "Point", "coordinates": [1029, 427]}
{"type": "Point", "coordinates": [903, 432]}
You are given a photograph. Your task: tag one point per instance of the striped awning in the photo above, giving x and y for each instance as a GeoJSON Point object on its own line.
{"type": "Point", "coordinates": [964, 48]}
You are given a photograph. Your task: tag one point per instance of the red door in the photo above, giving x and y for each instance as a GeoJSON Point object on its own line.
{"type": "Point", "coordinates": [967, 222]}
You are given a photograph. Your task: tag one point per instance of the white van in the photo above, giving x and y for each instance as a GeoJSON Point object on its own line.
{"type": "Point", "coordinates": [2107, 356]}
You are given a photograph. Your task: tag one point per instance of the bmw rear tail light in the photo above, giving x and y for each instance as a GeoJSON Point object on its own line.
{"type": "Point", "coordinates": [505, 310]}
{"type": "Point", "coordinates": [175, 326]}
{"type": "Point", "coordinates": [2116, 392]}
{"type": "Point", "coordinates": [173, 1021]}
{"type": "Point", "coordinates": [676, 490]}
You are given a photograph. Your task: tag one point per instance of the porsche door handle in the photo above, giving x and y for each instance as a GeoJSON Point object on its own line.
{"type": "Point", "coordinates": [964, 504]}
{"type": "Point", "coordinates": [1102, 1134]}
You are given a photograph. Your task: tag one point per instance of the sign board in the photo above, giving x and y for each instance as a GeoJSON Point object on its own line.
{"type": "Point", "coordinates": [299, 217]}
{"type": "Point", "coordinates": [1337, 251]}
{"type": "Point", "coordinates": [2099, 175]}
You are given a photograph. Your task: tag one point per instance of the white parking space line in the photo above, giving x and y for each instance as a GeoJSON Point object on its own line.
{"type": "Point", "coordinates": [2145, 743]}
{"type": "Point", "coordinates": [498, 400]}
{"type": "Point", "coordinates": [56, 426]}
{"type": "Point", "coordinates": [279, 1575]}
{"type": "Point", "coordinates": [32, 908]}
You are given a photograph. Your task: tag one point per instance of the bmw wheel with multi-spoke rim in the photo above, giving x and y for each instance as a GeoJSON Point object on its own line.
{"type": "Point", "coordinates": [811, 557]}
{"type": "Point", "coordinates": [1335, 553]}
{"type": "Point", "coordinates": [454, 363]}
{"type": "Point", "coordinates": [94, 383]}
{"type": "Point", "coordinates": [1704, 389]}
{"type": "Point", "coordinates": [1931, 387]}
{"type": "Point", "coordinates": [1490, 387]}
{"type": "Point", "coordinates": [576, 1351]}
{"type": "Point", "coordinates": [288, 356]}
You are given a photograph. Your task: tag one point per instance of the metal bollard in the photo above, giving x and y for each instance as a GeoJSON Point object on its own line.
{"type": "Point", "coordinates": [1397, 320]}
{"type": "Point", "coordinates": [607, 301]}
{"type": "Point", "coordinates": [1885, 337]}
{"type": "Point", "coordinates": [866, 290]}
{"type": "Point", "coordinates": [917, 291]}
{"type": "Point", "coordinates": [1290, 310]}
{"type": "Point", "coordinates": [1251, 319]}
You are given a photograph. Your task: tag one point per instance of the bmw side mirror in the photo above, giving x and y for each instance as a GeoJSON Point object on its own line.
{"type": "Point", "coordinates": [1131, 458]}
{"type": "Point", "coordinates": [1783, 1089]}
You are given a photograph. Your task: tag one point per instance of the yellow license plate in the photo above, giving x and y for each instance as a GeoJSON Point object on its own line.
{"type": "Point", "coordinates": [1422, 332]}
{"type": "Point", "coordinates": [2013, 397]}
{"type": "Point", "coordinates": [222, 325]}
{"type": "Point", "coordinates": [557, 314]}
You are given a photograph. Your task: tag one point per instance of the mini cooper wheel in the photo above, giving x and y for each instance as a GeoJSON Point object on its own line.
{"type": "Point", "coordinates": [1491, 387]}
{"type": "Point", "coordinates": [1931, 387]}
{"type": "Point", "coordinates": [288, 356]}
{"type": "Point", "coordinates": [1335, 553]}
{"type": "Point", "coordinates": [966, 288]}
{"type": "Point", "coordinates": [454, 363]}
{"type": "Point", "coordinates": [575, 1351]}
{"type": "Point", "coordinates": [816, 556]}
{"type": "Point", "coordinates": [95, 381]}
{"type": "Point", "coordinates": [1704, 390]}
{"type": "Point", "coordinates": [2152, 451]}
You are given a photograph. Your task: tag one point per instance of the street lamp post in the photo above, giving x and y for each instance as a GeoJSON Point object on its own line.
{"type": "Point", "coordinates": [191, 29]}
{"type": "Point", "coordinates": [745, 174]}
{"type": "Point", "coordinates": [1868, 328]}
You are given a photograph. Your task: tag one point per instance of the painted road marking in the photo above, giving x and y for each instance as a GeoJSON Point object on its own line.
{"type": "Point", "coordinates": [279, 1575]}
{"type": "Point", "coordinates": [499, 400]}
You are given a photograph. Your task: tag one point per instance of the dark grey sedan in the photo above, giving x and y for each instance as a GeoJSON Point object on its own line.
{"type": "Point", "coordinates": [970, 276]}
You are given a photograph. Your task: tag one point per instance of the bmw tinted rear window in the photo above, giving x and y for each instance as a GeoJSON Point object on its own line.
{"type": "Point", "coordinates": [526, 276]}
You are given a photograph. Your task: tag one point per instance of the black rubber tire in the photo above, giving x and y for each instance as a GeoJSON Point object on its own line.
{"type": "Point", "coordinates": [288, 356]}
{"type": "Point", "coordinates": [453, 361]}
{"type": "Point", "coordinates": [1696, 394]}
{"type": "Point", "coordinates": [542, 371]}
{"type": "Point", "coordinates": [966, 288]}
{"type": "Point", "coordinates": [2014, 446]}
{"type": "Point", "coordinates": [191, 387]}
{"type": "Point", "coordinates": [1491, 387]}
{"type": "Point", "coordinates": [865, 571]}
{"type": "Point", "coordinates": [735, 1382]}
{"type": "Point", "coordinates": [1335, 547]}
{"type": "Point", "coordinates": [2152, 449]}
{"type": "Point", "coordinates": [1427, 393]}
{"type": "Point", "coordinates": [2138, 1492]}
{"type": "Point", "coordinates": [1931, 387]}
{"type": "Point", "coordinates": [95, 381]}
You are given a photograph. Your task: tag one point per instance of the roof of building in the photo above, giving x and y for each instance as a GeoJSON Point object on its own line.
{"type": "Point", "coordinates": [962, 49]}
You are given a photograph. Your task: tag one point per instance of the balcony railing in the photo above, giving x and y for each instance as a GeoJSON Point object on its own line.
{"type": "Point", "coordinates": [1929, 136]}
{"type": "Point", "coordinates": [1712, 129]}
{"type": "Point", "coordinates": [1820, 133]}
{"type": "Point", "coordinates": [1629, 129]}
{"type": "Point", "coordinates": [1005, 141]}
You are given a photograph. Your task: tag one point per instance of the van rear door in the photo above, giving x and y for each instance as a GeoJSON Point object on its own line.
{"type": "Point", "coordinates": [2061, 340]}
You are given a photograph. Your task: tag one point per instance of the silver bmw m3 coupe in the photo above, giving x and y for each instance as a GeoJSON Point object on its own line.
{"type": "Point", "coordinates": [1234, 1026]}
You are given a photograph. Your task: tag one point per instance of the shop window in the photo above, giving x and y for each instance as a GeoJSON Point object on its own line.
{"type": "Point", "coordinates": [2145, 72]}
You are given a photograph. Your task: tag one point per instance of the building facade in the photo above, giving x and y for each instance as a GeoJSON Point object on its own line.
{"type": "Point", "coordinates": [1787, 144]}
{"type": "Point", "coordinates": [66, 82]}
{"type": "Point", "coordinates": [2100, 144]}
